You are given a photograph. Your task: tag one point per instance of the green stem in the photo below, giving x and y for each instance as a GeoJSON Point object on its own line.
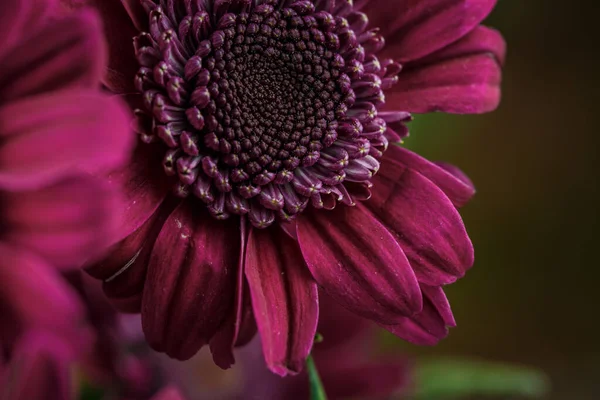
{"type": "Point", "coordinates": [317, 392]}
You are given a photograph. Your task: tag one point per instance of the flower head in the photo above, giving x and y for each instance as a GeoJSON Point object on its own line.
{"type": "Point", "coordinates": [267, 168]}
{"type": "Point", "coordinates": [56, 129]}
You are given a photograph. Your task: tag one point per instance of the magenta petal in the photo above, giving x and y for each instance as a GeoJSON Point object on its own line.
{"type": "Point", "coordinates": [119, 31]}
{"type": "Point", "coordinates": [481, 40]}
{"type": "Point", "coordinates": [68, 223]}
{"type": "Point", "coordinates": [223, 342]}
{"type": "Point", "coordinates": [465, 85]}
{"type": "Point", "coordinates": [144, 185]}
{"type": "Point", "coordinates": [453, 182]}
{"type": "Point", "coordinates": [13, 18]}
{"type": "Point", "coordinates": [357, 261]}
{"type": "Point", "coordinates": [36, 131]}
{"type": "Point", "coordinates": [429, 326]}
{"type": "Point", "coordinates": [284, 298]}
{"type": "Point", "coordinates": [69, 53]}
{"type": "Point", "coordinates": [34, 296]}
{"type": "Point", "coordinates": [416, 28]}
{"type": "Point", "coordinates": [190, 283]}
{"type": "Point", "coordinates": [39, 369]}
{"type": "Point", "coordinates": [426, 224]}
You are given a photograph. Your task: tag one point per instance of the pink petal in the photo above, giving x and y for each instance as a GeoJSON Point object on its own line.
{"type": "Point", "coordinates": [464, 85]}
{"type": "Point", "coordinates": [416, 28]}
{"type": "Point", "coordinates": [40, 369]}
{"type": "Point", "coordinates": [43, 141]}
{"type": "Point", "coordinates": [34, 296]}
{"type": "Point", "coordinates": [190, 283]}
{"type": "Point", "coordinates": [356, 260]}
{"type": "Point", "coordinates": [284, 298]}
{"type": "Point", "coordinates": [429, 326]}
{"type": "Point", "coordinates": [453, 182]}
{"type": "Point", "coordinates": [68, 53]}
{"type": "Point", "coordinates": [67, 223]}
{"type": "Point", "coordinates": [119, 31]}
{"type": "Point", "coordinates": [426, 224]}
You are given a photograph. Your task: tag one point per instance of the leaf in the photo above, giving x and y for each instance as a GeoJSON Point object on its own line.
{"type": "Point", "coordinates": [457, 378]}
{"type": "Point", "coordinates": [317, 392]}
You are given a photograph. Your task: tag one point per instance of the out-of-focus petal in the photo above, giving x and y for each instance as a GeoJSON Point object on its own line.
{"type": "Point", "coordinates": [46, 138]}
{"type": "Point", "coordinates": [69, 53]}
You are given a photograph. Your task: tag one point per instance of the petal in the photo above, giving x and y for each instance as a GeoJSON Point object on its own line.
{"type": "Point", "coordinates": [67, 223]}
{"type": "Point", "coordinates": [426, 224]}
{"type": "Point", "coordinates": [416, 28]}
{"type": "Point", "coordinates": [34, 296]}
{"type": "Point", "coordinates": [284, 298]}
{"type": "Point", "coordinates": [145, 186]}
{"type": "Point", "coordinates": [191, 280]}
{"type": "Point", "coordinates": [13, 18]}
{"type": "Point", "coordinates": [69, 53]}
{"type": "Point", "coordinates": [43, 140]}
{"type": "Point", "coordinates": [463, 85]}
{"type": "Point", "coordinates": [429, 326]}
{"type": "Point", "coordinates": [222, 343]}
{"type": "Point", "coordinates": [40, 369]}
{"type": "Point", "coordinates": [356, 260]}
{"type": "Point", "coordinates": [481, 40]}
{"type": "Point", "coordinates": [119, 32]}
{"type": "Point", "coordinates": [453, 182]}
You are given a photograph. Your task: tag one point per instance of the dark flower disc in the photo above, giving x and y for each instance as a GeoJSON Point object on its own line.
{"type": "Point", "coordinates": [265, 109]}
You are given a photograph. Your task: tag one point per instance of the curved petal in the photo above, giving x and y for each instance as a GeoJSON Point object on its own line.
{"type": "Point", "coordinates": [144, 184]}
{"type": "Point", "coordinates": [430, 325]}
{"type": "Point", "coordinates": [357, 261]}
{"type": "Point", "coordinates": [462, 85]}
{"type": "Point", "coordinates": [68, 223]}
{"type": "Point", "coordinates": [119, 31]}
{"type": "Point", "coordinates": [34, 296]}
{"type": "Point", "coordinates": [453, 182]}
{"type": "Point", "coordinates": [426, 224]}
{"type": "Point", "coordinates": [124, 270]}
{"type": "Point", "coordinates": [68, 53]}
{"type": "Point", "coordinates": [416, 28]}
{"type": "Point", "coordinates": [40, 369]}
{"type": "Point", "coordinates": [284, 299]}
{"type": "Point", "coordinates": [46, 138]}
{"type": "Point", "coordinates": [190, 283]}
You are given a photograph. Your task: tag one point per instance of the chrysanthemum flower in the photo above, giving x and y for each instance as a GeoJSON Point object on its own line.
{"type": "Point", "coordinates": [267, 171]}
{"type": "Point", "coordinates": [56, 128]}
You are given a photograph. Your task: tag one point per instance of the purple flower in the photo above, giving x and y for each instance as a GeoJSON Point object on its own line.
{"type": "Point", "coordinates": [267, 171]}
{"type": "Point", "coordinates": [56, 128]}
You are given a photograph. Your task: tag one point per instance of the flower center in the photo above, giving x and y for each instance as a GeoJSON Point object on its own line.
{"type": "Point", "coordinates": [264, 109]}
